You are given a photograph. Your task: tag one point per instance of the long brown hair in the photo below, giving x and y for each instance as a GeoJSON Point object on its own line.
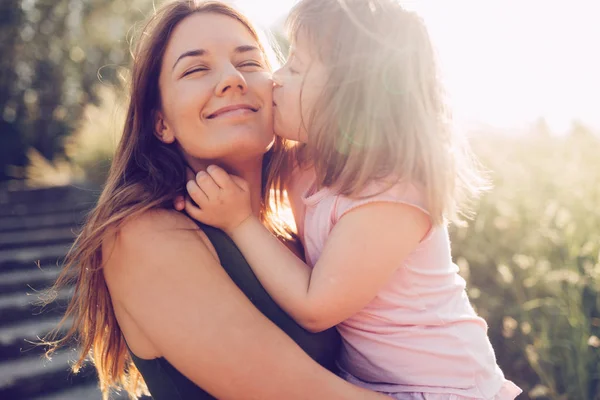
{"type": "Point", "coordinates": [382, 112]}
{"type": "Point", "coordinates": [145, 174]}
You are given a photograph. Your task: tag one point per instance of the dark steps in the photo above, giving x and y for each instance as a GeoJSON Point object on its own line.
{"type": "Point", "coordinates": [37, 237]}
{"type": "Point", "coordinates": [23, 338]}
{"type": "Point", "coordinates": [32, 375]}
{"type": "Point", "coordinates": [82, 205]}
{"type": "Point", "coordinates": [28, 279]}
{"type": "Point", "coordinates": [32, 257]}
{"type": "Point", "coordinates": [15, 307]}
{"type": "Point", "coordinates": [86, 391]}
{"type": "Point", "coordinates": [37, 229]}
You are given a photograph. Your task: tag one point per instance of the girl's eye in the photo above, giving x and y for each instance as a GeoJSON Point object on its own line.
{"type": "Point", "coordinates": [191, 71]}
{"type": "Point", "coordinates": [288, 66]}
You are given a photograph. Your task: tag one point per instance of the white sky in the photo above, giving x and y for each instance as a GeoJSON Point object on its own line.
{"type": "Point", "coordinates": [507, 62]}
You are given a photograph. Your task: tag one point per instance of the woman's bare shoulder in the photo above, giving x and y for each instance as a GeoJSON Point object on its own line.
{"type": "Point", "coordinates": [152, 235]}
{"type": "Point", "coordinates": [156, 219]}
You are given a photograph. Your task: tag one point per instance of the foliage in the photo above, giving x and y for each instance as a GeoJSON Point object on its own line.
{"type": "Point", "coordinates": [531, 257]}
{"type": "Point", "coordinates": [54, 54]}
{"type": "Point", "coordinates": [89, 150]}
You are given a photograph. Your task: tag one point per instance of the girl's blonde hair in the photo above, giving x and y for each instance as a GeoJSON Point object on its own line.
{"type": "Point", "coordinates": [145, 174]}
{"type": "Point", "coordinates": [382, 112]}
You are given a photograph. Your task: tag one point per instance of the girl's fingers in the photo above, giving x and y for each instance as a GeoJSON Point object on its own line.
{"type": "Point", "coordinates": [208, 185]}
{"type": "Point", "coordinates": [196, 193]}
{"type": "Point", "coordinates": [221, 178]}
{"type": "Point", "coordinates": [179, 203]}
{"type": "Point", "coordinates": [193, 211]}
{"type": "Point", "coordinates": [239, 182]}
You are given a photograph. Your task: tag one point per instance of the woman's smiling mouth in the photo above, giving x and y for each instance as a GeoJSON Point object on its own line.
{"type": "Point", "coordinates": [233, 111]}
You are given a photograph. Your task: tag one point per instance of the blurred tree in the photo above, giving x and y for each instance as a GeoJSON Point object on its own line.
{"type": "Point", "coordinates": [54, 54]}
{"type": "Point", "coordinates": [11, 106]}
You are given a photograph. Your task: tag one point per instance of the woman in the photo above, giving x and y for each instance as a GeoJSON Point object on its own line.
{"type": "Point", "coordinates": [154, 292]}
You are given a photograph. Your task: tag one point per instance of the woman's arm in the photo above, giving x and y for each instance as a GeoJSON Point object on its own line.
{"type": "Point", "coordinates": [363, 250]}
{"type": "Point", "coordinates": [162, 273]}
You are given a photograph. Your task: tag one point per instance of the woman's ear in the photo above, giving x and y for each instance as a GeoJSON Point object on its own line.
{"type": "Point", "coordinates": [162, 129]}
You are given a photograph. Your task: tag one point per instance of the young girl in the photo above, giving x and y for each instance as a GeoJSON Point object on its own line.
{"type": "Point", "coordinates": [377, 177]}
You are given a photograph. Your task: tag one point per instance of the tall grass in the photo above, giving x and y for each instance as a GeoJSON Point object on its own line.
{"type": "Point", "coordinates": [89, 150]}
{"type": "Point", "coordinates": [532, 261]}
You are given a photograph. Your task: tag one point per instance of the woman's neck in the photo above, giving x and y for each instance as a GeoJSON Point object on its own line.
{"type": "Point", "coordinates": [248, 170]}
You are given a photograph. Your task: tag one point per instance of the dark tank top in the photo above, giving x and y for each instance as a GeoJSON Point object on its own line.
{"type": "Point", "coordinates": [166, 383]}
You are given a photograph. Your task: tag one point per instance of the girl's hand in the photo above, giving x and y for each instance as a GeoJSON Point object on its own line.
{"type": "Point", "coordinates": [223, 200]}
{"type": "Point", "coordinates": [179, 203]}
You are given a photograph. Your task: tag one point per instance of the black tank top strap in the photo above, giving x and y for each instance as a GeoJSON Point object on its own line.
{"type": "Point", "coordinates": [323, 347]}
{"type": "Point", "coordinates": [167, 383]}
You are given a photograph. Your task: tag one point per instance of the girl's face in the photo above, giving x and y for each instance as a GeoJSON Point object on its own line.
{"type": "Point", "coordinates": [216, 91]}
{"type": "Point", "coordinates": [298, 85]}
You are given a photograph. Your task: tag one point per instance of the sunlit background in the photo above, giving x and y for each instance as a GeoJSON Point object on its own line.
{"type": "Point", "coordinates": [524, 83]}
{"type": "Point", "coordinates": [507, 63]}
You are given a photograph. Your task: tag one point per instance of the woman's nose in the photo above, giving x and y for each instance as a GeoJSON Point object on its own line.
{"type": "Point", "coordinates": [231, 80]}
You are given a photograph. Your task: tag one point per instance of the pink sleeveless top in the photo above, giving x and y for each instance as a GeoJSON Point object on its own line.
{"type": "Point", "coordinates": [420, 333]}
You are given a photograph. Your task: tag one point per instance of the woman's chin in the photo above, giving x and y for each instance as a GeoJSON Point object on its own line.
{"type": "Point", "coordinates": [233, 142]}
{"type": "Point", "coordinates": [246, 149]}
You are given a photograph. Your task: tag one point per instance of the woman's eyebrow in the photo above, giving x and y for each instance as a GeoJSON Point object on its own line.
{"type": "Point", "coordinates": [190, 53]}
{"type": "Point", "coordinates": [246, 48]}
{"type": "Point", "coordinates": [201, 52]}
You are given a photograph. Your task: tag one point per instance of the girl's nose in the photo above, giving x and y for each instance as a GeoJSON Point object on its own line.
{"type": "Point", "coordinates": [277, 78]}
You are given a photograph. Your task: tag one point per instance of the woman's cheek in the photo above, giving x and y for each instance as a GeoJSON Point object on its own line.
{"type": "Point", "coordinates": [264, 82]}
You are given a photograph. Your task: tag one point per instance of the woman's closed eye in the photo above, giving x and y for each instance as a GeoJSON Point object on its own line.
{"type": "Point", "coordinates": [193, 70]}
{"type": "Point", "coordinates": [254, 64]}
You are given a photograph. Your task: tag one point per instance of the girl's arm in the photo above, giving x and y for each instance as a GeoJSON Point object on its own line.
{"type": "Point", "coordinates": [161, 272]}
{"type": "Point", "coordinates": [363, 250]}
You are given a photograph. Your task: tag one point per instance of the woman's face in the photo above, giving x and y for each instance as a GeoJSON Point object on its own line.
{"type": "Point", "coordinates": [216, 91]}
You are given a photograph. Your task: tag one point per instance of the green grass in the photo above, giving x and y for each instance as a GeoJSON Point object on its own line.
{"type": "Point", "coordinates": [531, 257]}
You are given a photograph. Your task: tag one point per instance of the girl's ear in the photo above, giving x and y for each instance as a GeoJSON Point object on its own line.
{"type": "Point", "coordinates": [162, 130]}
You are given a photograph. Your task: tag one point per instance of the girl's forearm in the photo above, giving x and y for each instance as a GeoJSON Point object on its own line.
{"type": "Point", "coordinates": [283, 275]}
